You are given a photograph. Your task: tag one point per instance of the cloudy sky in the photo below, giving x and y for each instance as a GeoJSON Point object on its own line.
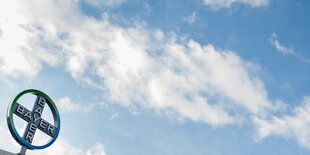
{"type": "Point", "coordinates": [131, 77]}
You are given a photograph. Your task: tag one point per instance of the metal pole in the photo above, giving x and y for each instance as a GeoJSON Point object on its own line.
{"type": "Point", "coordinates": [23, 150]}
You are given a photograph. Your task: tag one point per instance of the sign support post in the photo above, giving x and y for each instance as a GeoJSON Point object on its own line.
{"type": "Point", "coordinates": [23, 150]}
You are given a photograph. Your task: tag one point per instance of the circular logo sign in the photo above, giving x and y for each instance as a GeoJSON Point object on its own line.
{"type": "Point", "coordinates": [33, 119]}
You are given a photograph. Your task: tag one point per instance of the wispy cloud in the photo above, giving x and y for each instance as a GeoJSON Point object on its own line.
{"type": "Point", "coordinates": [285, 50]}
{"type": "Point", "coordinates": [148, 8]}
{"type": "Point", "coordinates": [115, 115]}
{"type": "Point", "coordinates": [296, 125]}
{"type": "Point", "coordinates": [136, 66]}
{"type": "Point", "coordinates": [191, 18]}
{"type": "Point", "coordinates": [216, 4]}
{"type": "Point", "coordinates": [65, 105]}
{"type": "Point", "coordinates": [60, 147]}
{"type": "Point", "coordinates": [109, 3]}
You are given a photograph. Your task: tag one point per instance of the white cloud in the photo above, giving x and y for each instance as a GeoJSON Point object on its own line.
{"type": "Point", "coordinates": [24, 45]}
{"type": "Point", "coordinates": [181, 79]}
{"type": "Point", "coordinates": [7, 143]}
{"type": "Point", "coordinates": [115, 115]}
{"type": "Point", "coordinates": [136, 67]}
{"type": "Point", "coordinates": [110, 3]}
{"type": "Point", "coordinates": [280, 48]}
{"type": "Point", "coordinates": [191, 18]}
{"type": "Point", "coordinates": [216, 4]}
{"type": "Point", "coordinates": [285, 50]}
{"type": "Point", "coordinates": [148, 8]}
{"type": "Point", "coordinates": [62, 147]}
{"type": "Point", "coordinates": [59, 147]}
{"type": "Point", "coordinates": [159, 35]}
{"type": "Point", "coordinates": [65, 105]}
{"type": "Point", "coordinates": [98, 149]}
{"type": "Point", "coordinates": [296, 125]}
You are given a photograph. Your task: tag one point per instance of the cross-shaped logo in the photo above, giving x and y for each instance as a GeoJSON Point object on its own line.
{"type": "Point", "coordinates": [34, 120]}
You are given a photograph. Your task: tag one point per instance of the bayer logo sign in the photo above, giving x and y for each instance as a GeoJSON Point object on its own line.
{"type": "Point", "coordinates": [34, 119]}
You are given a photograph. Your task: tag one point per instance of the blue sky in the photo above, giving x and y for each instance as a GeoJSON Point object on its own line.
{"type": "Point", "coordinates": [162, 77]}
